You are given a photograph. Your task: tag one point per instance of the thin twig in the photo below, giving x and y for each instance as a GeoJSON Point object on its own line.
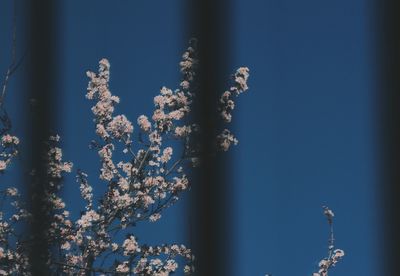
{"type": "Point", "coordinates": [14, 64]}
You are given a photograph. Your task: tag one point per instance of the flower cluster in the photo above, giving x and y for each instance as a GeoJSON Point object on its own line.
{"type": "Point", "coordinates": [226, 105]}
{"type": "Point", "coordinates": [8, 149]}
{"type": "Point", "coordinates": [325, 264]}
{"type": "Point", "coordinates": [226, 101]}
{"type": "Point", "coordinates": [225, 140]}
{"type": "Point", "coordinates": [55, 165]}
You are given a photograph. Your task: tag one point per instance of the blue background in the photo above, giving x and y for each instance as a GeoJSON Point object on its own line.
{"type": "Point", "coordinates": [306, 127]}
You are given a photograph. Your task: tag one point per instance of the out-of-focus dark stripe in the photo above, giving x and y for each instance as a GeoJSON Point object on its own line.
{"type": "Point", "coordinates": [388, 21]}
{"type": "Point", "coordinates": [42, 68]}
{"type": "Point", "coordinates": [212, 196]}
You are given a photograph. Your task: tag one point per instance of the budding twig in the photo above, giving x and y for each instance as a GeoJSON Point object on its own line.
{"type": "Point", "coordinates": [334, 255]}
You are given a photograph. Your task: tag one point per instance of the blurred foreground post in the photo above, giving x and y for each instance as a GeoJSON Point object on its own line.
{"type": "Point", "coordinates": [210, 189]}
{"type": "Point", "coordinates": [389, 99]}
{"type": "Point", "coordinates": [42, 68]}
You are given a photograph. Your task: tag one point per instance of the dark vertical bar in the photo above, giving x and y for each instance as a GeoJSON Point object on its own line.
{"type": "Point", "coordinates": [211, 28]}
{"type": "Point", "coordinates": [389, 91]}
{"type": "Point", "coordinates": [42, 75]}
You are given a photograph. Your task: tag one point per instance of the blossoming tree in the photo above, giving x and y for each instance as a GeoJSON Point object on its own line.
{"type": "Point", "coordinates": [150, 178]}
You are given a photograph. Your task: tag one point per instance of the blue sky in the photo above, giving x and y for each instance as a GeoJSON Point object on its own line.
{"type": "Point", "coordinates": [306, 127]}
{"type": "Point", "coordinates": [306, 135]}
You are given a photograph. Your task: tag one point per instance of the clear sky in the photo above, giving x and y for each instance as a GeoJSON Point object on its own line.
{"type": "Point", "coordinates": [306, 135]}
{"type": "Point", "coordinates": [306, 126]}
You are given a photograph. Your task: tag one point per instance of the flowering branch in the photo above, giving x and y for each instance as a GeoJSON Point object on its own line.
{"type": "Point", "coordinates": [334, 255]}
